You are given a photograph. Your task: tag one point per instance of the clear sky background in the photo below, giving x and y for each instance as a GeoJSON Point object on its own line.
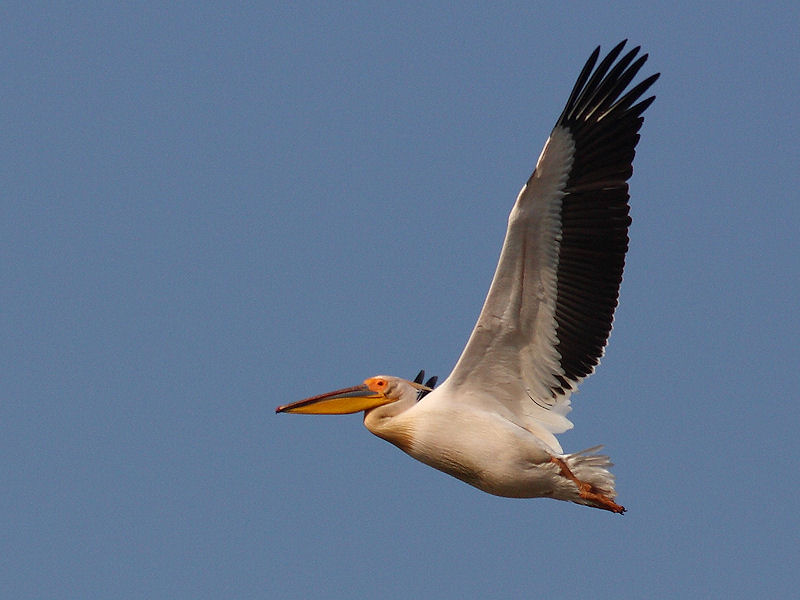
{"type": "Point", "coordinates": [207, 212]}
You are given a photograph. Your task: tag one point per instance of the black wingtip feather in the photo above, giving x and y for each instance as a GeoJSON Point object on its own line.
{"type": "Point", "coordinates": [604, 122]}
{"type": "Point", "coordinates": [431, 383]}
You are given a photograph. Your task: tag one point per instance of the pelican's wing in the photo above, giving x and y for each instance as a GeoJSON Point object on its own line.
{"type": "Point", "coordinates": [548, 314]}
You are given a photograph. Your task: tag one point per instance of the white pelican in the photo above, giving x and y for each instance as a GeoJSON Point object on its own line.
{"type": "Point", "coordinates": [545, 322]}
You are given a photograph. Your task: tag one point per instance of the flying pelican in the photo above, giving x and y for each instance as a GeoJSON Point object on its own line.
{"type": "Point", "coordinates": [545, 322]}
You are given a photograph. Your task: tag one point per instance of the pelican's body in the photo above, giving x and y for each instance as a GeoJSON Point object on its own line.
{"type": "Point", "coordinates": [481, 445]}
{"type": "Point", "coordinates": [509, 459]}
{"type": "Point", "coordinates": [546, 319]}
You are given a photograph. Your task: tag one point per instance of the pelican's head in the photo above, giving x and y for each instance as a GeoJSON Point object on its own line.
{"type": "Point", "coordinates": [381, 390]}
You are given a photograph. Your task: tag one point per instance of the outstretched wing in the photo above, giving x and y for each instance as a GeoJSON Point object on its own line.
{"type": "Point", "coordinates": [548, 314]}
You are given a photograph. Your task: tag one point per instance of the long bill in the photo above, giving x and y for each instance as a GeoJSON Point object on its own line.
{"type": "Point", "coordinates": [340, 402]}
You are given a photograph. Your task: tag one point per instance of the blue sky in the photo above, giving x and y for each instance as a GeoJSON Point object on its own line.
{"type": "Point", "coordinates": [207, 212]}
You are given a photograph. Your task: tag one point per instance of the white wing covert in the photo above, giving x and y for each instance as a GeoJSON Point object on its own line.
{"type": "Point", "coordinates": [548, 314]}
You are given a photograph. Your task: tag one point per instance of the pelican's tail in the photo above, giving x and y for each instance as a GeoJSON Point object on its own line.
{"type": "Point", "coordinates": [590, 481]}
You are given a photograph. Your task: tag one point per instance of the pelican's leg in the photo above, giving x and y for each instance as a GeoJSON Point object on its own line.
{"type": "Point", "coordinates": [586, 490]}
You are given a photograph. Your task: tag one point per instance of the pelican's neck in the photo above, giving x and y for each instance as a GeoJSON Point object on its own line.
{"type": "Point", "coordinates": [391, 423]}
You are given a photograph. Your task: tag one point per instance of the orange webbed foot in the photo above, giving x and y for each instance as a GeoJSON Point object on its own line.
{"type": "Point", "coordinates": [587, 491]}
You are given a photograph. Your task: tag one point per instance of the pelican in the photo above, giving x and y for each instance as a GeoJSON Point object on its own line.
{"type": "Point", "coordinates": [546, 319]}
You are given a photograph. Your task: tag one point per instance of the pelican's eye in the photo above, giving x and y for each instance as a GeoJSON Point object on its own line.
{"type": "Point", "coordinates": [377, 385]}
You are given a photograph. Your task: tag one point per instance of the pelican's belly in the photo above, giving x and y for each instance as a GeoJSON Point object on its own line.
{"type": "Point", "coordinates": [484, 450]}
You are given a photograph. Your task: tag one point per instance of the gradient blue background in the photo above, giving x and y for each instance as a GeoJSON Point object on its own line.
{"type": "Point", "coordinates": [207, 212]}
